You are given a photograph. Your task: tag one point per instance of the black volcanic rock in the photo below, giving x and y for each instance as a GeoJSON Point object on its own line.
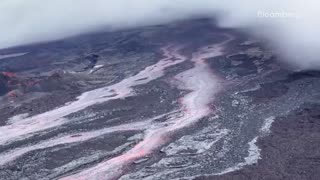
{"type": "Point", "coordinates": [3, 84]}
{"type": "Point", "coordinates": [290, 152]}
{"type": "Point", "coordinates": [85, 100]}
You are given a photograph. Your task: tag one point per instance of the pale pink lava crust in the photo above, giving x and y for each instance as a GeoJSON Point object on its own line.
{"type": "Point", "coordinates": [202, 84]}
{"type": "Point", "coordinates": [66, 139]}
{"type": "Point", "coordinates": [119, 90]}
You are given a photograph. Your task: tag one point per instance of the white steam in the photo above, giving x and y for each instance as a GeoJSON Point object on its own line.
{"type": "Point", "coordinates": [291, 25]}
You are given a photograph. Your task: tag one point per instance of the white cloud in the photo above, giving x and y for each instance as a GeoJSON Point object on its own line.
{"type": "Point", "coordinates": [28, 21]}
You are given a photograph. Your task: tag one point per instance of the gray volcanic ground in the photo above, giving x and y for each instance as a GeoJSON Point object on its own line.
{"type": "Point", "coordinates": [185, 100]}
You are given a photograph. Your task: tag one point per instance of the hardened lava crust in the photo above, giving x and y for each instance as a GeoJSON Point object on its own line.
{"type": "Point", "coordinates": [186, 100]}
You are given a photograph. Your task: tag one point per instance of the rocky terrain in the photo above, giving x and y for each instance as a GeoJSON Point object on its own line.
{"type": "Point", "coordinates": [186, 100]}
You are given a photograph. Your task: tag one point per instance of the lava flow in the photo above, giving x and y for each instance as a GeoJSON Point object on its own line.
{"type": "Point", "coordinates": [201, 83]}
{"type": "Point", "coordinates": [12, 155]}
{"type": "Point", "coordinates": [119, 90]}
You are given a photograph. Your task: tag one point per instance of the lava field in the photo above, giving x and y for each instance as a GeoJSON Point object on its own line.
{"type": "Point", "coordinates": [186, 100]}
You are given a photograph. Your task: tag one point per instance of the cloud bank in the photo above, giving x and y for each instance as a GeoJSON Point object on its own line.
{"type": "Point", "coordinates": [291, 25]}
